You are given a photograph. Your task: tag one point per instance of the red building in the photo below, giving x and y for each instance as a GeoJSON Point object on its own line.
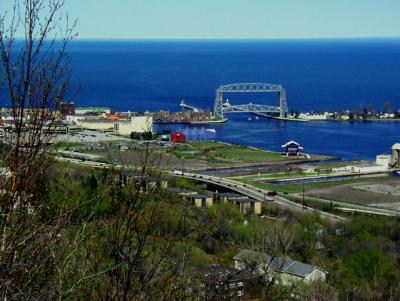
{"type": "Point", "coordinates": [178, 137]}
{"type": "Point", "coordinates": [67, 108]}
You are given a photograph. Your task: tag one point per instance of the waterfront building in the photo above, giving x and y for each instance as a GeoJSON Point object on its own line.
{"type": "Point", "coordinates": [137, 124]}
{"type": "Point", "coordinates": [96, 124]}
{"type": "Point", "coordinates": [292, 148]}
{"type": "Point", "coordinates": [114, 117]}
{"type": "Point", "coordinates": [362, 168]}
{"type": "Point", "coordinates": [179, 117]}
{"type": "Point", "coordinates": [67, 108]}
{"type": "Point", "coordinates": [93, 110]}
{"type": "Point", "coordinates": [314, 117]}
{"type": "Point", "coordinates": [383, 160]}
{"type": "Point", "coordinates": [6, 118]}
{"type": "Point", "coordinates": [178, 137]}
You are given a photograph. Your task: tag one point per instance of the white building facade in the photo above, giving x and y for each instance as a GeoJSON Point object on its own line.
{"type": "Point", "coordinates": [138, 124]}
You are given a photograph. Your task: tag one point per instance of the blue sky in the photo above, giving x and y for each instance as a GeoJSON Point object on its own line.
{"type": "Point", "coordinates": [233, 19]}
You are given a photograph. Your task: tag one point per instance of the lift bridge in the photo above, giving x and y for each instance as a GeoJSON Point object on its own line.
{"type": "Point", "coordinates": [221, 107]}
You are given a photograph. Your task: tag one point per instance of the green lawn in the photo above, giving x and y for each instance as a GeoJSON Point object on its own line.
{"type": "Point", "coordinates": [59, 145]}
{"type": "Point", "coordinates": [220, 152]}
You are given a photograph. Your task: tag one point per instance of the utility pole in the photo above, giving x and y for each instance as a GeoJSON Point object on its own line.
{"type": "Point", "coordinates": [303, 192]}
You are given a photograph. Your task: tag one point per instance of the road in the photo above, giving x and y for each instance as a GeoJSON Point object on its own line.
{"type": "Point", "coordinates": [261, 195]}
{"type": "Point", "coordinates": [349, 207]}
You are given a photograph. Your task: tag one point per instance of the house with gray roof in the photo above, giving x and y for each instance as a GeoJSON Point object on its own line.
{"type": "Point", "coordinates": [283, 270]}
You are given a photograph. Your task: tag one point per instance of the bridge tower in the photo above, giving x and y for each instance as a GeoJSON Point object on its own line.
{"type": "Point", "coordinates": [283, 104]}
{"type": "Point", "coordinates": [218, 105]}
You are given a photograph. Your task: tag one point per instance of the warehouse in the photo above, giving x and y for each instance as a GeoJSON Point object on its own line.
{"type": "Point", "coordinates": [137, 124]}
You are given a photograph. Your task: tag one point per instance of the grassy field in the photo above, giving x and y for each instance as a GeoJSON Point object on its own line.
{"type": "Point", "coordinates": [220, 152]}
{"type": "Point", "coordinates": [63, 145]}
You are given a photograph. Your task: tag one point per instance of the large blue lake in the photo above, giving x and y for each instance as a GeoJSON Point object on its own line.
{"type": "Point", "coordinates": [317, 74]}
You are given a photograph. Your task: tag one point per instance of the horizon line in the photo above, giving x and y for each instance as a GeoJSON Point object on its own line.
{"type": "Point", "coordinates": [240, 39]}
{"type": "Point", "coordinates": [235, 39]}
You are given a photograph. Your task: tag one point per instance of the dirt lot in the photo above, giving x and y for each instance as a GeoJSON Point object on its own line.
{"type": "Point", "coordinates": [389, 189]}
{"type": "Point", "coordinates": [376, 194]}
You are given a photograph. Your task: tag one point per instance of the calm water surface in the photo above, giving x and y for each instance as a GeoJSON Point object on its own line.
{"type": "Point", "coordinates": [318, 75]}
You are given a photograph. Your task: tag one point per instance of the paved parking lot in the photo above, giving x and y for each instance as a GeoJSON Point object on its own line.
{"type": "Point", "coordinates": [88, 136]}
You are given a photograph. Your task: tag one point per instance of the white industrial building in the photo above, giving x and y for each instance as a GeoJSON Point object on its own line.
{"type": "Point", "coordinates": [96, 124]}
{"type": "Point", "coordinates": [382, 164]}
{"type": "Point", "coordinates": [383, 160]}
{"type": "Point", "coordinates": [315, 117]}
{"type": "Point", "coordinates": [79, 118]}
{"type": "Point", "coordinates": [138, 124]}
{"type": "Point", "coordinates": [92, 110]}
{"type": "Point", "coordinates": [369, 168]}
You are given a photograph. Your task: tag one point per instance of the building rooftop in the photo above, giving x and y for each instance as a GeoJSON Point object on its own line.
{"type": "Point", "coordinates": [93, 108]}
{"type": "Point", "coordinates": [292, 143]}
{"type": "Point", "coordinates": [197, 196]}
{"type": "Point", "coordinates": [278, 264]}
{"type": "Point", "coordinates": [244, 200]}
{"type": "Point", "coordinates": [97, 120]}
{"type": "Point", "coordinates": [180, 190]}
{"type": "Point", "coordinates": [215, 273]}
{"type": "Point", "coordinates": [229, 195]}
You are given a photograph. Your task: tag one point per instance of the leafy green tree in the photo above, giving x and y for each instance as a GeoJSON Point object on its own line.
{"type": "Point", "coordinates": [147, 135]}
{"type": "Point", "coordinates": [91, 183]}
{"type": "Point", "coordinates": [135, 136]}
{"type": "Point", "coordinates": [369, 270]}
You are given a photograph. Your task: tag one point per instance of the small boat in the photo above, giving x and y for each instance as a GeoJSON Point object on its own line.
{"type": "Point", "coordinates": [256, 117]}
{"type": "Point", "coordinates": [249, 119]}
